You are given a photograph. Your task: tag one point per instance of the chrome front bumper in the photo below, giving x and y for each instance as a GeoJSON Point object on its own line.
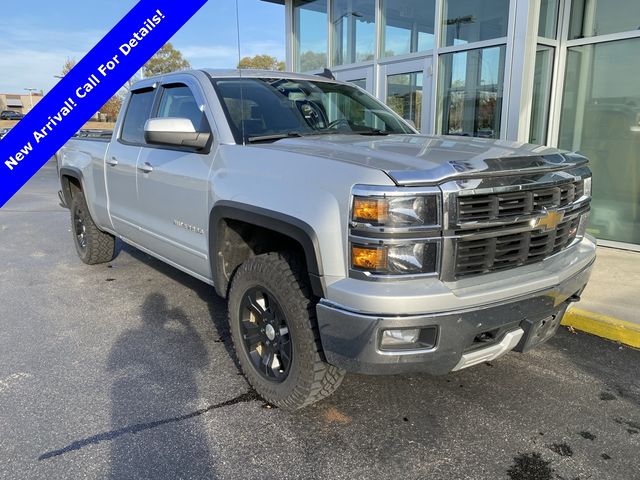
{"type": "Point", "coordinates": [351, 340]}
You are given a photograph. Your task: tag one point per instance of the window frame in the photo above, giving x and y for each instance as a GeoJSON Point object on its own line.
{"type": "Point", "coordinates": [383, 37]}
{"type": "Point", "coordinates": [294, 44]}
{"type": "Point", "coordinates": [159, 90]}
{"type": "Point", "coordinates": [333, 42]}
{"type": "Point", "coordinates": [442, 88]}
{"type": "Point", "coordinates": [472, 45]}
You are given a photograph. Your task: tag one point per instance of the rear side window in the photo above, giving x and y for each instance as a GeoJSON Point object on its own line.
{"type": "Point", "coordinates": [138, 113]}
{"type": "Point", "coordinates": [178, 102]}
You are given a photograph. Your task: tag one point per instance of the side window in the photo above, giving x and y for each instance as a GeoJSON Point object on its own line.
{"type": "Point", "coordinates": [178, 102]}
{"type": "Point", "coordinates": [138, 112]}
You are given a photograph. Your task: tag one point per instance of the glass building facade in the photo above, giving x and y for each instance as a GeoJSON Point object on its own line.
{"type": "Point", "coordinates": [562, 73]}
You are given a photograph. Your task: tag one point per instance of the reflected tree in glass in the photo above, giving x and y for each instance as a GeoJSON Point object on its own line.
{"type": "Point", "coordinates": [404, 96]}
{"type": "Point", "coordinates": [470, 92]}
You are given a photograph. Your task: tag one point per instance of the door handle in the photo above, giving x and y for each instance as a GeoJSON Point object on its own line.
{"type": "Point", "coordinates": [146, 167]}
{"type": "Point", "coordinates": [113, 162]}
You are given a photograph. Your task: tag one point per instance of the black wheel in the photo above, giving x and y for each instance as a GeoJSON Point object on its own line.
{"type": "Point", "coordinates": [92, 244]}
{"type": "Point", "coordinates": [265, 334]}
{"type": "Point", "coordinates": [274, 330]}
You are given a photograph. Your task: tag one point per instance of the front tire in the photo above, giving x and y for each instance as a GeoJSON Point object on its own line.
{"type": "Point", "coordinates": [92, 244]}
{"type": "Point", "coordinates": [275, 334]}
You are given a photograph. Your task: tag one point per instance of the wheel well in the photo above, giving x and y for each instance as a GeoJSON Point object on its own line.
{"type": "Point", "coordinates": [70, 186]}
{"type": "Point", "coordinates": [239, 240]}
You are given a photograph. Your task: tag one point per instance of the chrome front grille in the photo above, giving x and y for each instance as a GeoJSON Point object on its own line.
{"type": "Point", "coordinates": [508, 226]}
{"type": "Point", "coordinates": [495, 206]}
{"type": "Point", "coordinates": [510, 250]}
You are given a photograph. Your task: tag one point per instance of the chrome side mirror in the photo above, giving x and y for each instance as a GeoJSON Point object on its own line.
{"type": "Point", "coordinates": [177, 132]}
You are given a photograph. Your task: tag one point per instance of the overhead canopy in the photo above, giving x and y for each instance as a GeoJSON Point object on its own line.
{"type": "Point", "coordinates": [14, 102]}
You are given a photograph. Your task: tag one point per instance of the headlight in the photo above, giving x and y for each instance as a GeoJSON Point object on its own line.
{"type": "Point", "coordinates": [404, 258]}
{"type": "Point", "coordinates": [394, 231]}
{"type": "Point", "coordinates": [587, 186]}
{"type": "Point", "coordinates": [395, 211]}
{"type": "Point", "coordinates": [582, 226]}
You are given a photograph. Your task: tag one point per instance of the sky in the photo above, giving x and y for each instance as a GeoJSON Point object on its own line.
{"type": "Point", "coordinates": [36, 37]}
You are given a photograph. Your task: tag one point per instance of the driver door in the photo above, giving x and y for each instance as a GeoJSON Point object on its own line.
{"type": "Point", "coordinates": [173, 183]}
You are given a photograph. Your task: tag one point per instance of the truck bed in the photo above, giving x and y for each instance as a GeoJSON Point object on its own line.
{"type": "Point", "coordinates": [104, 135]}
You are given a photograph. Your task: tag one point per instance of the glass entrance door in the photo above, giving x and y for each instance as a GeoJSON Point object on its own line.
{"type": "Point", "coordinates": [362, 77]}
{"type": "Point", "coordinates": [407, 90]}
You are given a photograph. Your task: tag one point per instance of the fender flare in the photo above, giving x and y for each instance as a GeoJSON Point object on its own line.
{"type": "Point", "coordinates": [281, 223]}
{"type": "Point", "coordinates": [72, 172]}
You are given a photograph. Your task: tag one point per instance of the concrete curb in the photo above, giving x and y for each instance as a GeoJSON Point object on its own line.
{"type": "Point", "coordinates": [603, 326]}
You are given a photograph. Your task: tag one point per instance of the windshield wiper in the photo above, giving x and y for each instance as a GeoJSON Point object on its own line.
{"type": "Point", "coordinates": [372, 132]}
{"type": "Point", "coordinates": [281, 136]}
{"type": "Point", "coordinates": [273, 137]}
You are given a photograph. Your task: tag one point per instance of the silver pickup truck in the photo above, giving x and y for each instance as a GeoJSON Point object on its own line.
{"type": "Point", "coordinates": [342, 239]}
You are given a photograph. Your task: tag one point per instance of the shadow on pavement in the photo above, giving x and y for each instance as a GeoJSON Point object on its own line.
{"type": "Point", "coordinates": [155, 365]}
{"type": "Point", "coordinates": [216, 305]}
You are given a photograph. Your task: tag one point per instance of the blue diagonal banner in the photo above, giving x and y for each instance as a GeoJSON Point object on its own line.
{"type": "Point", "coordinates": [86, 88]}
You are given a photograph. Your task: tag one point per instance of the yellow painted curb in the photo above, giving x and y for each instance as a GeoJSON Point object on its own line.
{"type": "Point", "coordinates": [603, 326]}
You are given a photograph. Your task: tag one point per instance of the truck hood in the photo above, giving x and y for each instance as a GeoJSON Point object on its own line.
{"type": "Point", "coordinates": [424, 160]}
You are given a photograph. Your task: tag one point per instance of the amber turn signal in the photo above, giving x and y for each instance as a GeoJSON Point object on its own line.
{"type": "Point", "coordinates": [370, 210]}
{"type": "Point", "coordinates": [369, 258]}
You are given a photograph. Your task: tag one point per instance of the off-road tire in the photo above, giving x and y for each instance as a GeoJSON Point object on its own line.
{"type": "Point", "coordinates": [99, 246]}
{"type": "Point", "coordinates": [309, 378]}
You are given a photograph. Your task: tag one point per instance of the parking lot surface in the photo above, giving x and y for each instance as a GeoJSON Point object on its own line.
{"type": "Point", "coordinates": [126, 371]}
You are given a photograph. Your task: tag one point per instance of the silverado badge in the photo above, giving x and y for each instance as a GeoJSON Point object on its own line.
{"type": "Point", "coordinates": [186, 226]}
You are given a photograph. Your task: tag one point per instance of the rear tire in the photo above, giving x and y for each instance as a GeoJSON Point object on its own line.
{"type": "Point", "coordinates": [92, 244]}
{"type": "Point", "coordinates": [275, 334]}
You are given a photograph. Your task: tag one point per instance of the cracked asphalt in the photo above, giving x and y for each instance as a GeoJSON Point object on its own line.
{"type": "Point", "coordinates": [124, 371]}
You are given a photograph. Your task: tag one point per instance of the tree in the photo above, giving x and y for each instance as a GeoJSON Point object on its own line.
{"type": "Point", "coordinates": [112, 108]}
{"type": "Point", "coordinates": [312, 61]}
{"type": "Point", "coordinates": [261, 62]}
{"type": "Point", "coordinates": [109, 109]}
{"type": "Point", "coordinates": [166, 60]}
{"type": "Point", "coordinates": [68, 65]}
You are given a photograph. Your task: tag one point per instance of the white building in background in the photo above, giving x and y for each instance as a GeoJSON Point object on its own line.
{"type": "Point", "coordinates": [563, 73]}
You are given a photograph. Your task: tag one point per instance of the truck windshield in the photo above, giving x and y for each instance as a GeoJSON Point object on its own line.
{"type": "Point", "coordinates": [268, 109]}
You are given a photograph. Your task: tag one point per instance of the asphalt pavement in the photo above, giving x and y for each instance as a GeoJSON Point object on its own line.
{"type": "Point", "coordinates": [125, 371]}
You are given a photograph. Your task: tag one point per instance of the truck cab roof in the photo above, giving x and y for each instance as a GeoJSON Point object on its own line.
{"type": "Point", "coordinates": [235, 73]}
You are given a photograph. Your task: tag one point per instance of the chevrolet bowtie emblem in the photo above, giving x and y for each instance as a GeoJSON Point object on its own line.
{"type": "Point", "coordinates": [548, 221]}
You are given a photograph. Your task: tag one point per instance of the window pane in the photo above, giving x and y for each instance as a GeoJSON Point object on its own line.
{"type": "Point", "coordinates": [409, 26]}
{"type": "Point", "coordinates": [541, 96]}
{"type": "Point", "coordinates": [179, 102]}
{"type": "Point", "coordinates": [310, 19]}
{"type": "Point", "coordinates": [600, 17]}
{"type": "Point", "coordinates": [601, 118]}
{"type": "Point", "coordinates": [353, 30]}
{"type": "Point", "coordinates": [138, 113]}
{"type": "Point", "coordinates": [470, 92]}
{"type": "Point", "coordinates": [404, 96]}
{"type": "Point", "coordinates": [360, 82]}
{"type": "Point", "coordinates": [466, 21]}
{"type": "Point", "coordinates": [547, 26]}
